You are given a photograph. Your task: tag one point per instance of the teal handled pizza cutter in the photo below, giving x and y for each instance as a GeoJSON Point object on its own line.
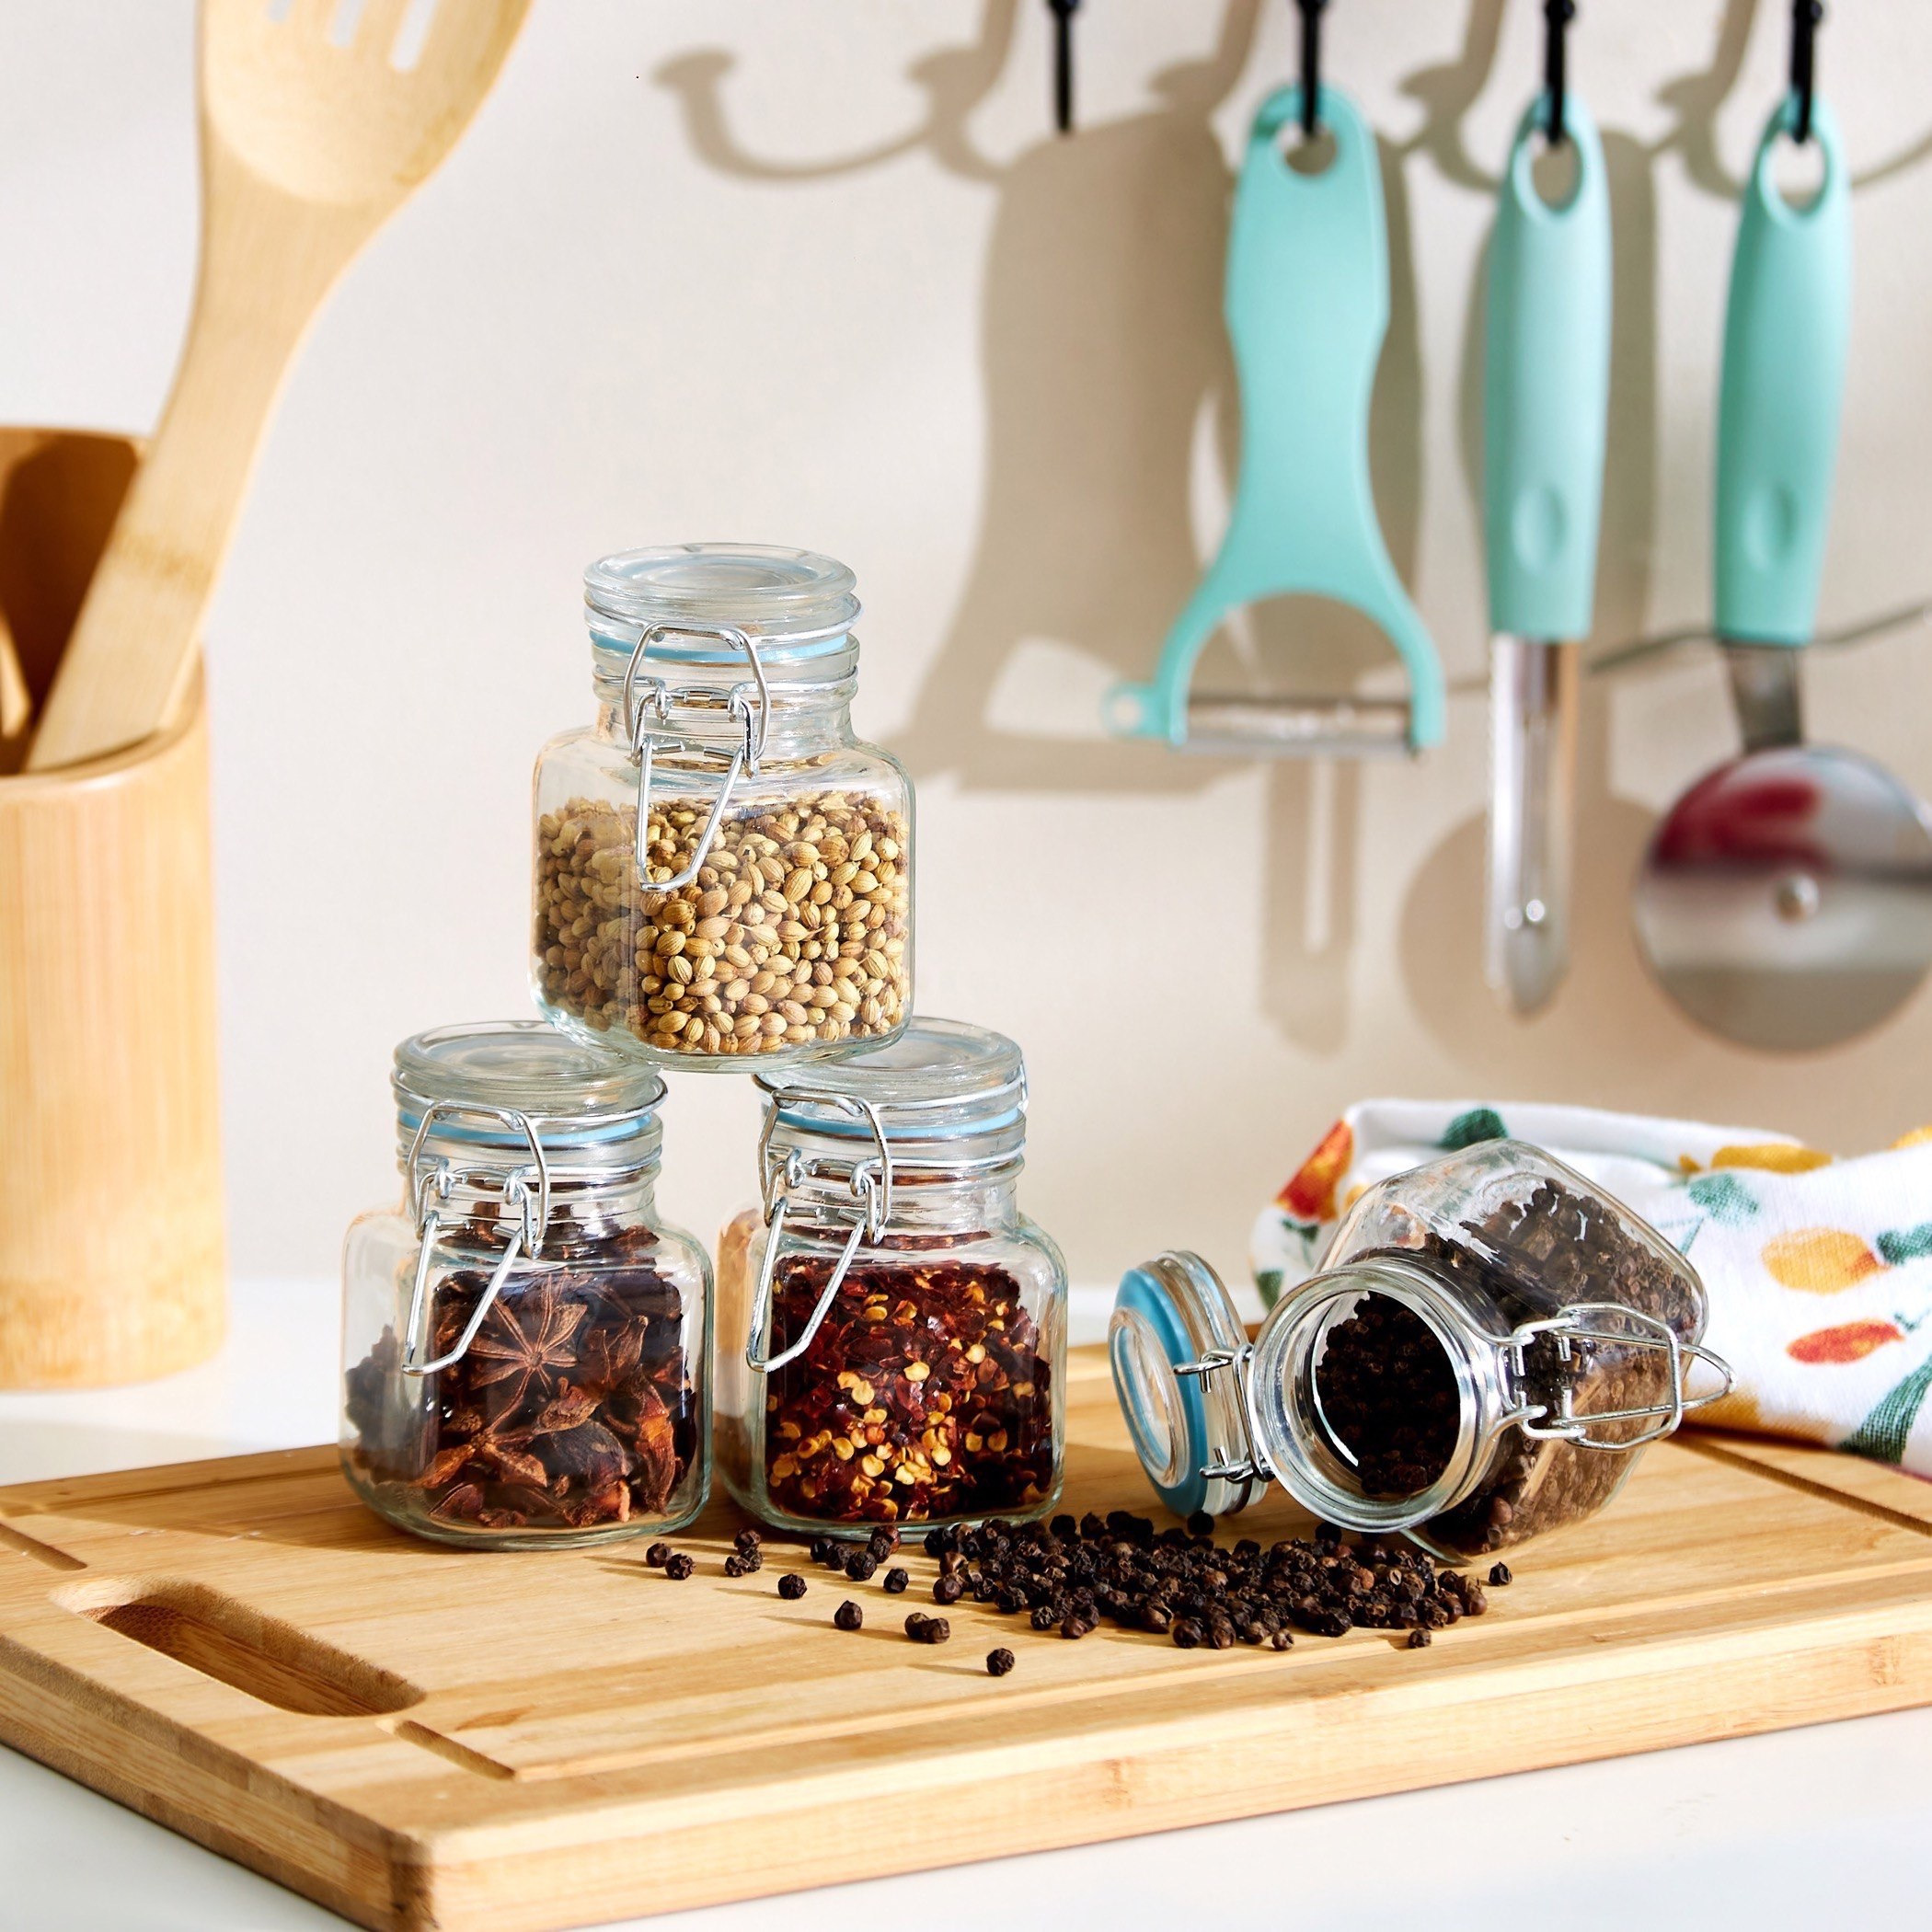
{"type": "Point", "coordinates": [1786, 899]}
{"type": "Point", "coordinates": [1307, 308]}
{"type": "Point", "coordinates": [1545, 407]}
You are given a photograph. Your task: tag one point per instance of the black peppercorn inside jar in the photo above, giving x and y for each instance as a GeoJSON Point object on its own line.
{"type": "Point", "coordinates": [722, 869]}
{"type": "Point", "coordinates": [891, 1328]}
{"type": "Point", "coordinates": [1490, 1339]}
{"type": "Point", "coordinates": [524, 1339]}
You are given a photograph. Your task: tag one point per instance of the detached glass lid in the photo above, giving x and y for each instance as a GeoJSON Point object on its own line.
{"type": "Point", "coordinates": [1174, 1337]}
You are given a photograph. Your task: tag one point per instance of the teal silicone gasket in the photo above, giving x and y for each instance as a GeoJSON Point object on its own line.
{"type": "Point", "coordinates": [1787, 324]}
{"type": "Point", "coordinates": [1307, 309]}
{"type": "Point", "coordinates": [1140, 1294]}
{"type": "Point", "coordinates": [1547, 388]}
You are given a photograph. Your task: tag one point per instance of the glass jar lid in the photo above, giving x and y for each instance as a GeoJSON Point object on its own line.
{"type": "Point", "coordinates": [1178, 1349]}
{"type": "Point", "coordinates": [475, 1076]}
{"type": "Point", "coordinates": [796, 606]}
{"type": "Point", "coordinates": [943, 1090]}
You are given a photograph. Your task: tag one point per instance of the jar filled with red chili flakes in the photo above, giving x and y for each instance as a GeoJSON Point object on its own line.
{"type": "Point", "coordinates": [893, 1330]}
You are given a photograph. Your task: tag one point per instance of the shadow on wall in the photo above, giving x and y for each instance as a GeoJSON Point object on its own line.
{"type": "Point", "coordinates": [1107, 370]}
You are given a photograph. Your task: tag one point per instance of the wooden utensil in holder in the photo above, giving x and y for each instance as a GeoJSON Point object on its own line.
{"type": "Point", "coordinates": [112, 1252]}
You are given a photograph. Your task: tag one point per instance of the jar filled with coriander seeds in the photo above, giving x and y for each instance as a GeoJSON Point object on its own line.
{"type": "Point", "coordinates": [1489, 1342]}
{"type": "Point", "coordinates": [891, 1328]}
{"type": "Point", "coordinates": [723, 870]}
{"type": "Point", "coordinates": [524, 1340]}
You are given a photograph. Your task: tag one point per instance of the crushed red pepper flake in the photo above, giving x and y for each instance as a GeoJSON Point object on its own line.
{"type": "Point", "coordinates": [926, 1394]}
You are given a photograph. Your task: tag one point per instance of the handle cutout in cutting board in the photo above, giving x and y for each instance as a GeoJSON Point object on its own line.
{"type": "Point", "coordinates": [259, 1655]}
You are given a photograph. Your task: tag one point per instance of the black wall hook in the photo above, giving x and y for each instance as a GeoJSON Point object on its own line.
{"type": "Point", "coordinates": [1806, 15]}
{"type": "Point", "coordinates": [1311, 64]}
{"type": "Point", "coordinates": [1062, 12]}
{"type": "Point", "coordinates": [1557, 17]}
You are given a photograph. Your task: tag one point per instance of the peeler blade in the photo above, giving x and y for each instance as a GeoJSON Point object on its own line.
{"type": "Point", "coordinates": [1233, 724]}
{"type": "Point", "coordinates": [1532, 714]}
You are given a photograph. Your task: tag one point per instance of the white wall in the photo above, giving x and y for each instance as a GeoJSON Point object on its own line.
{"type": "Point", "coordinates": [819, 274]}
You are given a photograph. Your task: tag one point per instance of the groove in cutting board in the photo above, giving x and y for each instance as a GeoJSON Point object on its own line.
{"type": "Point", "coordinates": [260, 1656]}
{"type": "Point", "coordinates": [11, 1539]}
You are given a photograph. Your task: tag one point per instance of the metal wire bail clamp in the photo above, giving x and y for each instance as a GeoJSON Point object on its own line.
{"type": "Point", "coordinates": [1570, 1326]}
{"type": "Point", "coordinates": [645, 742]}
{"type": "Point", "coordinates": [527, 1238]}
{"type": "Point", "coordinates": [869, 1184]}
{"type": "Point", "coordinates": [1247, 1466]}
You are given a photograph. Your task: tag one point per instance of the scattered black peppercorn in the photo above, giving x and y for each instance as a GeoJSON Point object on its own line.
{"type": "Point", "coordinates": [746, 1541]}
{"type": "Point", "coordinates": [998, 1663]}
{"type": "Point", "coordinates": [1165, 1582]}
{"type": "Point", "coordinates": [1500, 1573]}
{"type": "Point", "coordinates": [1201, 1524]}
{"type": "Point", "coordinates": [884, 1541]}
{"type": "Point", "coordinates": [823, 1548]}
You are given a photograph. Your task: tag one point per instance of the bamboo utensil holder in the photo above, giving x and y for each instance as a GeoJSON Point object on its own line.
{"type": "Point", "coordinates": [113, 1263]}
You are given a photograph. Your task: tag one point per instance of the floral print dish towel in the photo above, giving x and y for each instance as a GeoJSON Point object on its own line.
{"type": "Point", "coordinates": [1819, 1270]}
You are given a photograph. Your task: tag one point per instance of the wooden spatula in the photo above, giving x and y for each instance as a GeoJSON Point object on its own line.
{"type": "Point", "coordinates": [307, 147]}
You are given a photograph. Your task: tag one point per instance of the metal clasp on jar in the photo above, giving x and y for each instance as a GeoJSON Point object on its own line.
{"type": "Point", "coordinates": [1232, 1464]}
{"type": "Point", "coordinates": [1571, 1326]}
{"type": "Point", "coordinates": [650, 697]}
{"type": "Point", "coordinates": [527, 1188]}
{"type": "Point", "coordinates": [830, 1190]}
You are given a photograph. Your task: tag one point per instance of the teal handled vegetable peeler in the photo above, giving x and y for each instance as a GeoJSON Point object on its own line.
{"type": "Point", "coordinates": [1545, 411]}
{"type": "Point", "coordinates": [1307, 308]}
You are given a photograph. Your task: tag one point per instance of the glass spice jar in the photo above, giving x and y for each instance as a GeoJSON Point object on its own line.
{"type": "Point", "coordinates": [524, 1339]}
{"type": "Point", "coordinates": [722, 868]}
{"type": "Point", "coordinates": [1489, 1341]}
{"type": "Point", "coordinates": [893, 1330]}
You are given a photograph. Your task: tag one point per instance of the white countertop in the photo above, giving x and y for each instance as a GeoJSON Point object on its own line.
{"type": "Point", "coordinates": [1816, 1828]}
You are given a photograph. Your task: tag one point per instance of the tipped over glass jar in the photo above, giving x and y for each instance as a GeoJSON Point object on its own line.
{"type": "Point", "coordinates": [891, 1328]}
{"type": "Point", "coordinates": [1490, 1341]}
{"type": "Point", "coordinates": [722, 868]}
{"type": "Point", "coordinates": [524, 1340]}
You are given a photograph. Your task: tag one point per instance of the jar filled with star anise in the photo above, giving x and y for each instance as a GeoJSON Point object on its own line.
{"type": "Point", "coordinates": [523, 1337]}
{"type": "Point", "coordinates": [893, 1330]}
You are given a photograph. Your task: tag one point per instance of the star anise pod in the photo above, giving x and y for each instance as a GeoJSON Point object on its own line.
{"type": "Point", "coordinates": [656, 1472]}
{"type": "Point", "coordinates": [527, 1342]}
{"type": "Point", "coordinates": [610, 1353]}
{"type": "Point", "coordinates": [568, 1408]}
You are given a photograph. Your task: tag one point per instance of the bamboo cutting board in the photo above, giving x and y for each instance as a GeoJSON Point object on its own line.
{"type": "Point", "coordinates": [422, 1737]}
